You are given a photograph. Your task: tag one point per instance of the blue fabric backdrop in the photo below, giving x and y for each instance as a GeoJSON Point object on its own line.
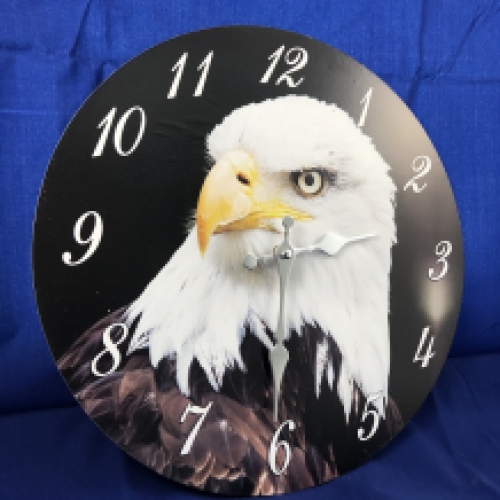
{"type": "Point", "coordinates": [441, 56]}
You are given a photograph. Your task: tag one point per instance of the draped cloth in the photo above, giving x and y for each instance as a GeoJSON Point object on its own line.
{"type": "Point", "coordinates": [442, 58]}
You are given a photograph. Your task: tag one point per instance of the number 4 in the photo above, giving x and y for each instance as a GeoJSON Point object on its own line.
{"type": "Point", "coordinates": [428, 354]}
{"type": "Point", "coordinates": [197, 410]}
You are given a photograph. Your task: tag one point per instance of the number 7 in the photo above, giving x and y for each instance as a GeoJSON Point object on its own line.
{"type": "Point", "coordinates": [197, 410]}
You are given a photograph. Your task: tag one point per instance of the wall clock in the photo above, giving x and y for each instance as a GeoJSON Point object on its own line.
{"type": "Point", "coordinates": [247, 261]}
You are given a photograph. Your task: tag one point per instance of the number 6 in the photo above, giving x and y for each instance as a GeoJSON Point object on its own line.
{"type": "Point", "coordinates": [273, 449]}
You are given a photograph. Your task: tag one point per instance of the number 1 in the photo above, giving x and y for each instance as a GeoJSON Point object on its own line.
{"type": "Point", "coordinates": [366, 102]}
{"type": "Point", "coordinates": [203, 67]}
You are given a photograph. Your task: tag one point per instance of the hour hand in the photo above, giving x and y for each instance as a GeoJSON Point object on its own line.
{"type": "Point", "coordinates": [251, 261]}
{"type": "Point", "coordinates": [332, 243]}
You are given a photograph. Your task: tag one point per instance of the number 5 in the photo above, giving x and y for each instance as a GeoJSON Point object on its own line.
{"type": "Point", "coordinates": [366, 413]}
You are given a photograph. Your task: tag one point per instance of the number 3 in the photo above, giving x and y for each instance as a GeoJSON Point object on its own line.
{"type": "Point", "coordinates": [443, 251]}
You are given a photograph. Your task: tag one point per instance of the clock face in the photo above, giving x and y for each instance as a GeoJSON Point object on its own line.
{"type": "Point", "coordinates": [247, 261]}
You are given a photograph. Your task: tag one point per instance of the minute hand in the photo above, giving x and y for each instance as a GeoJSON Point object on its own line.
{"type": "Point", "coordinates": [332, 243]}
{"type": "Point", "coordinates": [284, 255]}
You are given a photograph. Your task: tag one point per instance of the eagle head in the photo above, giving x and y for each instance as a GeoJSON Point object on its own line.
{"type": "Point", "coordinates": [290, 156]}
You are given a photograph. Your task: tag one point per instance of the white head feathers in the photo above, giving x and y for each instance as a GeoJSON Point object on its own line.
{"type": "Point", "coordinates": [198, 306]}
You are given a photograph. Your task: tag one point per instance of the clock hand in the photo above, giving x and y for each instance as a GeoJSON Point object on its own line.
{"type": "Point", "coordinates": [285, 255]}
{"type": "Point", "coordinates": [251, 261]}
{"type": "Point", "coordinates": [332, 243]}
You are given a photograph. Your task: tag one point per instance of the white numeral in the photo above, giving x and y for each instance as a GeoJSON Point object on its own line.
{"type": "Point", "coordinates": [273, 449]}
{"type": "Point", "coordinates": [366, 413]}
{"type": "Point", "coordinates": [366, 104]}
{"type": "Point", "coordinates": [296, 57]}
{"type": "Point", "coordinates": [111, 349]}
{"type": "Point", "coordinates": [196, 410]}
{"type": "Point", "coordinates": [92, 241]}
{"type": "Point", "coordinates": [422, 166]}
{"type": "Point", "coordinates": [203, 67]}
{"type": "Point", "coordinates": [443, 250]}
{"type": "Point", "coordinates": [107, 124]}
{"type": "Point", "coordinates": [428, 354]}
{"type": "Point", "coordinates": [178, 69]}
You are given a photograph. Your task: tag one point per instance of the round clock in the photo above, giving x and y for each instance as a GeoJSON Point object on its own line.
{"type": "Point", "coordinates": [247, 261]}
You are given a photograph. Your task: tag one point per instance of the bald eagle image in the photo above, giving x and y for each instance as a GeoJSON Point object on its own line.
{"type": "Point", "coordinates": [201, 331]}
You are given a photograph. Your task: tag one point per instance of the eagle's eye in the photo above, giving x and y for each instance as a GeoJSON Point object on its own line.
{"type": "Point", "coordinates": [309, 182]}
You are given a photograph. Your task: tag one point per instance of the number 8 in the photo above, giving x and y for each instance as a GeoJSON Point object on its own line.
{"type": "Point", "coordinates": [111, 348]}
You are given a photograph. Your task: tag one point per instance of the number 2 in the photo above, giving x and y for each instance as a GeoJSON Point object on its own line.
{"type": "Point", "coordinates": [422, 166]}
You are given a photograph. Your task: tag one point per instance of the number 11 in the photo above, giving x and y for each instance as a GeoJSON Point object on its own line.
{"type": "Point", "coordinates": [178, 69]}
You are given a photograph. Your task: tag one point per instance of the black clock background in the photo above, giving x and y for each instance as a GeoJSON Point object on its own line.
{"type": "Point", "coordinates": [146, 199]}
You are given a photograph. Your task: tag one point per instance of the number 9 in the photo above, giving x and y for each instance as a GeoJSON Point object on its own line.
{"type": "Point", "coordinates": [92, 241]}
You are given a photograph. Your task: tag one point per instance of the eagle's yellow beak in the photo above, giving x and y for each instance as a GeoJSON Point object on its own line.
{"type": "Point", "coordinates": [232, 198]}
